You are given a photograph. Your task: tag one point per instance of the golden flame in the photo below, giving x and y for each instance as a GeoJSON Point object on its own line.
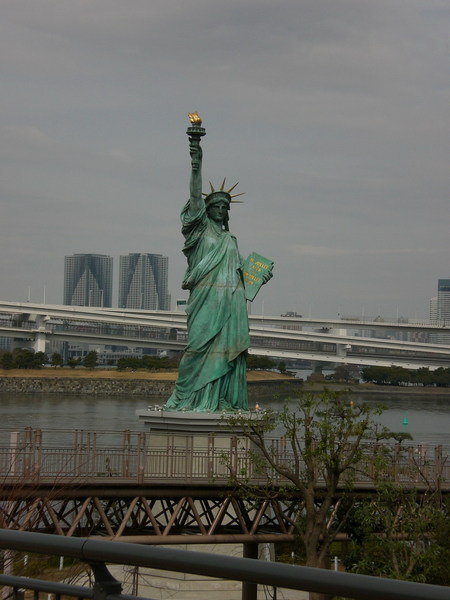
{"type": "Point", "coordinates": [194, 118]}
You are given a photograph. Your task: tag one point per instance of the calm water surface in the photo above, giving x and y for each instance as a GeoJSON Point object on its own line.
{"type": "Point", "coordinates": [428, 418]}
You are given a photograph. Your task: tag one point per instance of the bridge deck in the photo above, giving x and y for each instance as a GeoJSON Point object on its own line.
{"type": "Point", "coordinates": [321, 339]}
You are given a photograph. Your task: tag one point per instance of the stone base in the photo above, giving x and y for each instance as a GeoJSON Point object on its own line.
{"type": "Point", "coordinates": [158, 419]}
{"type": "Point", "coordinates": [193, 444]}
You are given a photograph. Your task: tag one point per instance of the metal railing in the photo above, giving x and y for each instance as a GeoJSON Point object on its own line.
{"type": "Point", "coordinates": [30, 461]}
{"type": "Point", "coordinates": [247, 570]}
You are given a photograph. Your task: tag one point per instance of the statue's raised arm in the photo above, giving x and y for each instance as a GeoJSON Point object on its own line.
{"type": "Point", "coordinates": [195, 132]}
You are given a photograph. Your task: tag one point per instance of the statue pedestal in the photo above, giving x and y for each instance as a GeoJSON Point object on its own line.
{"type": "Point", "coordinates": [194, 445]}
{"type": "Point", "coordinates": [183, 421]}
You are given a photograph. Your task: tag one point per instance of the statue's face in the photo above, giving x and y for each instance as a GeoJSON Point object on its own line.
{"type": "Point", "coordinates": [218, 212]}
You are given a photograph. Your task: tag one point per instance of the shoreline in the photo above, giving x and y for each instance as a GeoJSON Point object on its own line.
{"type": "Point", "coordinates": [150, 383]}
{"type": "Point", "coordinates": [58, 373]}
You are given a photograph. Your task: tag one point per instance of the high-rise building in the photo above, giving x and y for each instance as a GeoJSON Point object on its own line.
{"type": "Point", "coordinates": [88, 280]}
{"type": "Point", "coordinates": [443, 300]}
{"type": "Point", "coordinates": [143, 282]}
{"type": "Point", "coordinates": [440, 304]}
{"type": "Point", "coordinates": [440, 310]}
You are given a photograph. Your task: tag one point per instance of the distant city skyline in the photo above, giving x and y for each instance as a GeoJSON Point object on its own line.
{"type": "Point", "coordinates": [142, 281]}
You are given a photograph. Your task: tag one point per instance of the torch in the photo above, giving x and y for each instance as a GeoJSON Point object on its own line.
{"type": "Point", "coordinates": [195, 133]}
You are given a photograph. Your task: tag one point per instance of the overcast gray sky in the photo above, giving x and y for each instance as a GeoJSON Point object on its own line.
{"type": "Point", "coordinates": [334, 116]}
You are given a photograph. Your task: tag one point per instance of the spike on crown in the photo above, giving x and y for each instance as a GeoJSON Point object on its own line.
{"type": "Point", "coordinates": [221, 194]}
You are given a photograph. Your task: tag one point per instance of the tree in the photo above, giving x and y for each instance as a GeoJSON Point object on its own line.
{"type": "Point", "coordinates": [346, 373]}
{"type": "Point", "coordinates": [74, 362]}
{"type": "Point", "coordinates": [400, 376]}
{"type": "Point", "coordinates": [40, 359]}
{"type": "Point", "coordinates": [401, 534]}
{"type": "Point", "coordinates": [324, 441]}
{"type": "Point", "coordinates": [23, 358]}
{"type": "Point", "coordinates": [423, 376]}
{"type": "Point", "coordinates": [7, 360]}
{"type": "Point", "coordinates": [90, 360]}
{"type": "Point", "coordinates": [260, 362]}
{"type": "Point", "coordinates": [282, 366]}
{"type": "Point", "coordinates": [27, 359]}
{"type": "Point", "coordinates": [151, 363]}
{"type": "Point", "coordinates": [56, 360]}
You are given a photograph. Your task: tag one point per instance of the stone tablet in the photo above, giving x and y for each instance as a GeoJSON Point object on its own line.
{"type": "Point", "coordinates": [254, 269]}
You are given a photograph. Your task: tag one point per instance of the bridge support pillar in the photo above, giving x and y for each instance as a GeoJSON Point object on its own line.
{"type": "Point", "coordinates": [317, 374]}
{"type": "Point", "coordinates": [250, 590]}
{"type": "Point", "coordinates": [40, 336]}
{"type": "Point", "coordinates": [39, 342]}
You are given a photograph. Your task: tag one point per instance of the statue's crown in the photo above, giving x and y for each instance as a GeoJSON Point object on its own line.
{"type": "Point", "coordinates": [221, 195]}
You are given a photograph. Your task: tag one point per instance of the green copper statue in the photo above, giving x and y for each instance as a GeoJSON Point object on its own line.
{"type": "Point", "coordinates": [212, 372]}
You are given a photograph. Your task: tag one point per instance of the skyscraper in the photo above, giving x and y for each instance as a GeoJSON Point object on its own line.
{"type": "Point", "coordinates": [443, 300]}
{"type": "Point", "coordinates": [440, 310]}
{"type": "Point", "coordinates": [88, 280]}
{"type": "Point", "coordinates": [143, 282]}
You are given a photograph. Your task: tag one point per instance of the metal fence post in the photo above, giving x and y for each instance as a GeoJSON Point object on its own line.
{"type": "Point", "coordinates": [104, 583]}
{"type": "Point", "coordinates": [250, 590]}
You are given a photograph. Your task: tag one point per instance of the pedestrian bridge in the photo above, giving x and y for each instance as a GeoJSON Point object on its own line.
{"type": "Point", "coordinates": [349, 341]}
{"type": "Point", "coordinates": [176, 492]}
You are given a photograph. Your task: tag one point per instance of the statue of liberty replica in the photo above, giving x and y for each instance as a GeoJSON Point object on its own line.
{"type": "Point", "coordinates": [212, 372]}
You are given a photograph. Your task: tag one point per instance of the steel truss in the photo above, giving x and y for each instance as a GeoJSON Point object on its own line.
{"type": "Point", "coordinates": [165, 520]}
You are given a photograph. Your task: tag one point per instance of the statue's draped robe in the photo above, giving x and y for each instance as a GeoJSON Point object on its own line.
{"type": "Point", "coordinates": [212, 372]}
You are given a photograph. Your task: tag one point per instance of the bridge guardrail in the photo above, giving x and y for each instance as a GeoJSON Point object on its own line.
{"type": "Point", "coordinates": [34, 463]}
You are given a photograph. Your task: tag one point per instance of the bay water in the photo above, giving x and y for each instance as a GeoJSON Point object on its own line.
{"type": "Point", "coordinates": [425, 416]}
